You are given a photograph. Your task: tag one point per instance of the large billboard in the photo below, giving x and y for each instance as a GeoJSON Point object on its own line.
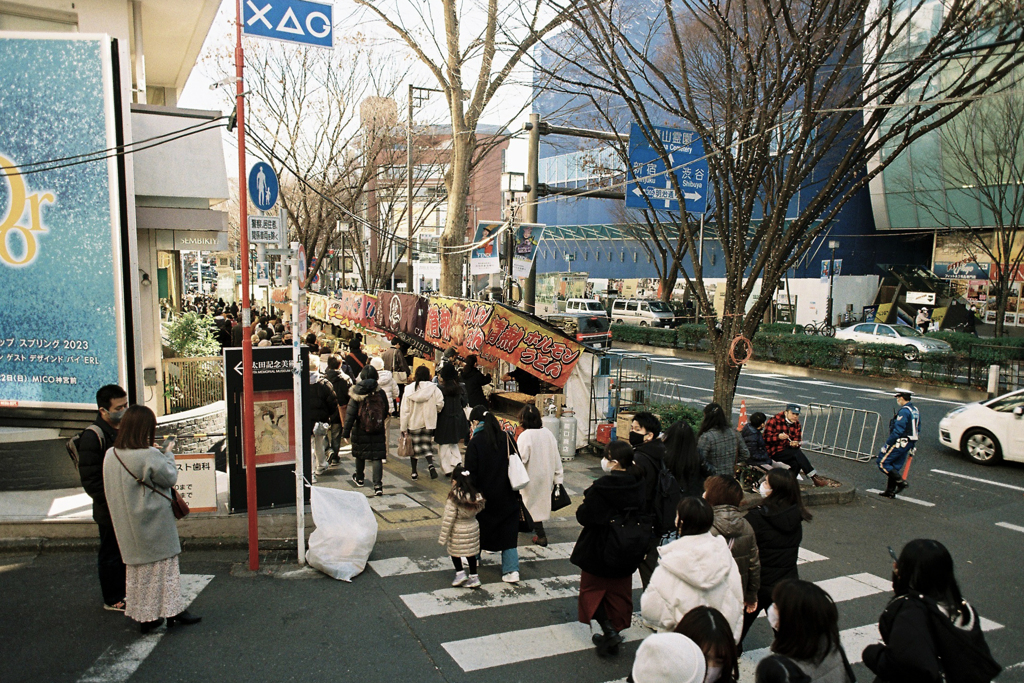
{"type": "Point", "coordinates": [61, 322]}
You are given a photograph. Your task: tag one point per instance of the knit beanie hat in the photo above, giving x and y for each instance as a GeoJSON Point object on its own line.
{"type": "Point", "coordinates": [668, 658]}
{"type": "Point", "coordinates": [377, 362]}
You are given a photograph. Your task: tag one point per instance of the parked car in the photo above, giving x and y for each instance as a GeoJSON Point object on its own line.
{"type": "Point", "coordinates": [913, 342]}
{"type": "Point", "coordinates": [586, 328]}
{"type": "Point", "coordinates": [588, 306]}
{"type": "Point", "coordinates": [988, 431]}
{"type": "Point", "coordinates": [642, 312]}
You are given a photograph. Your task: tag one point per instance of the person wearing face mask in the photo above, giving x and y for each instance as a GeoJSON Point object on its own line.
{"type": "Point", "coordinates": [710, 630]}
{"type": "Point", "coordinates": [606, 593]}
{"type": "Point", "coordinates": [778, 528]}
{"type": "Point", "coordinates": [806, 624]}
{"type": "Point", "coordinates": [112, 402]}
{"type": "Point", "coordinates": [648, 460]}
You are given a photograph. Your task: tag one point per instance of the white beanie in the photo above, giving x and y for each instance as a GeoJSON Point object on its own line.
{"type": "Point", "coordinates": [668, 658]}
{"type": "Point", "coordinates": [377, 362]}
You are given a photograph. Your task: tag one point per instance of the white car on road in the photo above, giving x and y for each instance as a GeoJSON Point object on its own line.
{"type": "Point", "coordinates": [913, 342]}
{"type": "Point", "coordinates": [988, 431]}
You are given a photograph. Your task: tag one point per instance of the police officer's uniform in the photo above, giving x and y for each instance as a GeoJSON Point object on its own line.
{"type": "Point", "coordinates": [905, 429]}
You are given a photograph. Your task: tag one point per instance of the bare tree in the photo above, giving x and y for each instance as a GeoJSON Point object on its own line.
{"type": "Point", "coordinates": [454, 39]}
{"type": "Point", "coordinates": [982, 167]}
{"type": "Point", "coordinates": [799, 105]}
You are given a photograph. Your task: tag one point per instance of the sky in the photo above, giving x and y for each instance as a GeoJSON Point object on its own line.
{"type": "Point", "coordinates": [198, 95]}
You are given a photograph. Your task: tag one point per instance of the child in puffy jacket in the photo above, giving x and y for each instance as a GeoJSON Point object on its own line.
{"type": "Point", "coordinates": [460, 531]}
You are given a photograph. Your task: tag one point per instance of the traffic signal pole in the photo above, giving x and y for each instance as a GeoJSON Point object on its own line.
{"type": "Point", "coordinates": [248, 416]}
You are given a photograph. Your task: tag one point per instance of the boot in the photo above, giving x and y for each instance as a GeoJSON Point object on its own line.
{"type": "Point", "coordinates": [414, 474]}
{"type": "Point", "coordinates": [890, 486]}
{"type": "Point", "coordinates": [607, 642]}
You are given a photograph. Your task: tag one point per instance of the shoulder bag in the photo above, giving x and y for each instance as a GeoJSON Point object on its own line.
{"type": "Point", "coordinates": [517, 474]}
{"type": "Point", "coordinates": [559, 498]}
{"type": "Point", "coordinates": [178, 505]}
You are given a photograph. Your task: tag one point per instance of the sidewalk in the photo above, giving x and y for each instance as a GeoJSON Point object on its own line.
{"type": "Point", "coordinates": [62, 518]}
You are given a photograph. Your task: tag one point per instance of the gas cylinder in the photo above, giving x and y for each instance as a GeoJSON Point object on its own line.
{"type": "Point", "coordinates": [567, 441]}
{"type": "Point", "coordinates": [550, 421]}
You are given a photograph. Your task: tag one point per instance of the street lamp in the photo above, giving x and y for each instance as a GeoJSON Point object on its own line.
{"type": "Point", "coordinates": [833, 245]}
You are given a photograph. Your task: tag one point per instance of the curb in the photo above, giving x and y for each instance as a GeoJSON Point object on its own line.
{"type": "Point", "coordinates": [885, 383]}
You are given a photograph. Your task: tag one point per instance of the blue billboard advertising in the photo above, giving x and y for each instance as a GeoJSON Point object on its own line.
{"type": "Point", "coordinates": [61, 324]}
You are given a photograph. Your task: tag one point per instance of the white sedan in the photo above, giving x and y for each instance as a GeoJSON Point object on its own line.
{"type": "Point", "coordinates": [913, 342]}
{"type": "Point", "coordinates": [988, 431]}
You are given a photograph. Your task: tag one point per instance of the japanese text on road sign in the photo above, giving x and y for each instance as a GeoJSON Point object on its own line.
{"type": "Point", "coordinates": [264, 229]}
{"type": "Point", "coordinates": [649, 178]}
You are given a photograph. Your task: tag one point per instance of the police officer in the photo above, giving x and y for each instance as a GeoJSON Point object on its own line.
{"type": "Point", "coordinates": [905, 428]}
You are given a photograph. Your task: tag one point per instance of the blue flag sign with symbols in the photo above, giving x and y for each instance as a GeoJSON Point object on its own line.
{"type": "Point", "coordinates": [263, 186]}
{"type": "Point", "coordinates": [294, 21]}
{"type": "Point", "coordinates": [648, 176]}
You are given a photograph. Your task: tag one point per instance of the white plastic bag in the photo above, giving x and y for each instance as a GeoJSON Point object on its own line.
{"type": "Point", "coordinates": [346, 530]}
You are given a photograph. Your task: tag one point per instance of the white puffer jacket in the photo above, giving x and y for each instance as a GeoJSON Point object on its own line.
{"type": "Point", "coordinates": [420, 406]}
{"type": "Point", "coordinates": [694, 571]}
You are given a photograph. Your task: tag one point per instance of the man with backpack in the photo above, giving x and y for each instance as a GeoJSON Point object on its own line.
{"type": "Point", "coordinates": [321, 408]}
{"type": "Point", "coordinates": [660, 490]}
{"type": "Point", "coordinates": [368, 408]}
{"type": "Point", "coordinates": [91, 447]}
{"type": "Point", "coordinates": [341, 383]}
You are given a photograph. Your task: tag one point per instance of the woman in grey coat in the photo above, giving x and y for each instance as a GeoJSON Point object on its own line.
{"type": "Point", "coordinates": [138, 480]}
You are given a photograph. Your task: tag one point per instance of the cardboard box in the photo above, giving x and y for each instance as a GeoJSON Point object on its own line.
{"type": "Point", "coordinates": [624, 424]}
{"type": "Point", "coordinates": [542, 401]}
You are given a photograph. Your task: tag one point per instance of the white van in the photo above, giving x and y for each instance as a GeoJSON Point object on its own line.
{"type": "Point", "coordinates": [588, 306]}
{"type": "Point", "coordinates": [643, 312]}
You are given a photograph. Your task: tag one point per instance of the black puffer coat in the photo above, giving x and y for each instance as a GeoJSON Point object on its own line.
{"type": "Point", "coordinates": [90, 467]}
{"type": "Point", "coordinates": [452, 425]}
{"type": "Point", "coordinates": [488, 467]}
{"type": "Point", "coordinates": [365, 446]}
{"type": "Point", "coordinates": [778, 533]}
{"type": "Point", "coordinates": [475, 381]}
{"type": "Point", "coordinates": [606, 497]}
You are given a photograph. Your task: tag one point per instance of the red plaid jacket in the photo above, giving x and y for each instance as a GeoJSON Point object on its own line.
{"type": "Point", "coordinates": [776, 426]}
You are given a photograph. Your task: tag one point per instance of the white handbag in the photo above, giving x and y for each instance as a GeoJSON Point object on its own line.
{"type": "Point", "coordinates": [517, 474]}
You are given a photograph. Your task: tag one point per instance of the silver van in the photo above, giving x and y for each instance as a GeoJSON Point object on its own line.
{"type": "Point", "coordinates": [588, 306]}
{"type": "Point", "coordinates": [643, 312]}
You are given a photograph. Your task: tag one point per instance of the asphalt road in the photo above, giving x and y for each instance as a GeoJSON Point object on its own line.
{"type": "Point", "coordinates": [400, 621]}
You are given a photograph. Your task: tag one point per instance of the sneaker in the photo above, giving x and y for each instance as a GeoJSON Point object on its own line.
{"type": "Point", "coordinates": [511, 577]}
{"type": "Point", "coordinates": [415, 476]}
{"type": "Point", "coordinates": [460, 578]}
{"type": "Point", "coordinates": [433, 472]}
{"type": "Point", "coordinates": [334, 460]}
{"type": "Point", "coordinates": [378, 490]}
{"type": "Point", "coordinates": [116, 607]}
{"type": "Point", "coordinates": [319, 470]}
{"type": "Point", "coordinates": [472, 582]}
{"type": "Point", "coordinates": [357, 481]}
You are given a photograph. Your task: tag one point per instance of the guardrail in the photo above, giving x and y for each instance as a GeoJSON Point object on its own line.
{"type": "Point", "coordinates": [192, 382]}
{"type": "Point", "coordinates": [848, 433]}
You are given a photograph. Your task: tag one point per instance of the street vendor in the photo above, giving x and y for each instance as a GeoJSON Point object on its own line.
{"type": "Point", "coordinates": [527, 383]}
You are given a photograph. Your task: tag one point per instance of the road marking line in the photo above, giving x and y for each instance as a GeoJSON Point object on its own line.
{"type": "Point", "coordinates": [843, 588]}
{"type": "Point", "coordinates": [451, 600]}
{"type": "Point", "coordinates": [400, 566]}
{"type": "Point", "coordinates": [804, 556]}
{"type": "Point", "coordinates": [981, 481]}
{"type": "Point", "coordinates": [117, 665]}
{"type": "Point", "coordinates": [906, 498]}
{"type": "Point", "coordinates": [1012, 527]}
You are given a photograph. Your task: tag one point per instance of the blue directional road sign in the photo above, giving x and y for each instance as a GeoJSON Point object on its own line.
{"type": "Point", "coordinates": [263, 186]}
{"type": "Point", "coordinates": [647, 170]}
{"type": "Point", "coordinates": [294, 21]}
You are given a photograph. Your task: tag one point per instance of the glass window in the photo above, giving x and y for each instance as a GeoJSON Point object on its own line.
{"type": "Point", "coordinates": [594, 306]}
{"type": "Point", "coordinates": [631, 306]}
{"type": "Point", "coordinates": [660, 307]}
{"type": "Point", "coordinates": [885, 331]}
{"type": "Point", "coordinates": [906, 331]}
{"type": "Point", "coordinates": [644, 307]}
{"type": "Point", "coordinates": [866, 328]}
{"type": "Point", "coordinates": [1006, 404]}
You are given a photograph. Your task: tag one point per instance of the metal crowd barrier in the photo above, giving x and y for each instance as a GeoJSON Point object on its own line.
{"type": "Point", "coordinates": [849, 433]}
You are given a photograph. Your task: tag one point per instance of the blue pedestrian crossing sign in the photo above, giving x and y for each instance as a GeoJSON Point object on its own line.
{"type": "Point", "coordinates": [263, 186]}
{"type": "Point", "coordinates": [649, 179]}
{"type": "Point", "coordinates": [293, 21]}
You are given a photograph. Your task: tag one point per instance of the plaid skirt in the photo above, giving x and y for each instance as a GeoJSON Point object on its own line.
{"type": "Point", "coordinates": [422, 442]}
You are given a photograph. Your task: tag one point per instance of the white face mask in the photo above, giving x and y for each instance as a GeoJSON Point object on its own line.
{"type": "Point", "coordinates": [773, 617]}
{"type": "Point", "coordinates": [713, 674]}
{"type": "Point", "coordinates": [606, 465]}
{"type": "Point", "coordinates": [764, 489]}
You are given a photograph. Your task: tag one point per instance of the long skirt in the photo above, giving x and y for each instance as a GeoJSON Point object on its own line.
{"type": "Point", "coordinates": [616, 594]}
{"type": "Point", "coordinates": [450, 456]}
{"type": "Point", "coordinates": [153, 590]}
{"type": "Point", "coordinates": [422, 442]}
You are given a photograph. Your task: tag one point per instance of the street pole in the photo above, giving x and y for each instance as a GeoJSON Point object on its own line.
{"type": "Point", "coordinates": [532, 179]}
{"type": "Point", "coordinates": [300, 499]}
{"type": "Point", "coordinates": [248, 416]}
{"type": "Point", "coordinates": [408, 192]}
{"type": "Point", "coordinates": [831, 278]}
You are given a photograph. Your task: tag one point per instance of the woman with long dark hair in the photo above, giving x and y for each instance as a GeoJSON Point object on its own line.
{"type": "Point", "coordinates": [709, 628]}
{"type": "Point", "coordinates": [806, 624]}
{"type": "Point", "coordinates": [930, 633]}
{"type": "Point", "coordinates": [718, 443]}
{"type": "Point", "coordinates": [682, 460]}
{"type": "Point", "coordinates": [452, 425]}
{"type": "Point", "coordinates": [138, 479]}
{"type": "Point", "coordinates": [487, 457]}
{"type": "Point", "coordinates": [474, 380]}
{"type": "Point", "coordinates": [778, 528]}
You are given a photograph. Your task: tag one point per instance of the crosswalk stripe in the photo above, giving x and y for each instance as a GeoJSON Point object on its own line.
{"type": "Point", "coordinates": [117, 665]}
{"type": "Point", "coordinates": [804, 556]}
{"type": "Point", "coordinates": [854, 641]}
{"type": "Point", "coordinates": [908, 499]}
{"type": "Point", "coordinates": [401, 566]}
{"type": "Point", "coordinates": [449, 600]}
{"type": "Point", "coordinates": [1011, 527]}
{"type": "Point", "coordinates": [843, 588]}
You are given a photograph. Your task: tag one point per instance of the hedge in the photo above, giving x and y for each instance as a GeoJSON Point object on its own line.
{"type": "Point", "coordinates": [670, 413]}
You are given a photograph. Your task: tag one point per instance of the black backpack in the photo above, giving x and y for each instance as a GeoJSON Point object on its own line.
{"type": "Point", "coordinates": [667, 495]}
{"type": "Point", "coordinates": [73, 443]}
{"type": "Point", "coordinates": [372, 411]}
{"type": "Point", "coordinates": [629, 536]}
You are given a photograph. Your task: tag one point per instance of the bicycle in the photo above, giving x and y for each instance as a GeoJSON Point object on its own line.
{"type": "Point", "coordinates": [823, 328]}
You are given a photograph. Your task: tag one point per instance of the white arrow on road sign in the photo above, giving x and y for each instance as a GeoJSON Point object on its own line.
{"type": "Point", "coordinates": [238, 368]}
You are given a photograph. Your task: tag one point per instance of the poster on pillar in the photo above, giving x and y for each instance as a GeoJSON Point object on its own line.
{"type": "Point", "coordinates": [524, 250]}
{"type": "Point", "coordinates": [484, 258]}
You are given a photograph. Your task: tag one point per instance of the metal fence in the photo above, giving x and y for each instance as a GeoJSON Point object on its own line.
{"type": "Point", "coordinates": [849, 433]}
{"type": "Point", "coordinates": [1010, 360]}
{"type": "Point", "coordinates": [192, 382]}
{"type": "Point", "coordinates": [632, 376]}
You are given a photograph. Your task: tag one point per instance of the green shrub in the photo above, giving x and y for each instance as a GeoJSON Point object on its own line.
{"type": "Point", "coordinates": [780, 328]}
{"type": "Point", "coordinates": [670, 413]}
{"type": "Point", "coordinates": [631, 334]}
{"type": "Point", "coordinates": [803, 350]}
{"type": "Point", "coordinates": [659, 336]}
{"type": "Point", "coordinates": [693, 336]}
{"type": "Point", "coordinates": [942, 366]}
{"type": "Point", "coordinates": [878, 358]}
{"type": "Point", "coordinates": [191, 336]}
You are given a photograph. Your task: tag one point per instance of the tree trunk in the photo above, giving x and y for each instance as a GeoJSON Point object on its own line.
{"type": "Point", "coordinates": [454, 235]}
{"type": "Point", "coordinates": [727, 374]}
{"type": "Point", "coordinates": [668, 283]}
{"type": "Point", "coordinates": [1004, 294]}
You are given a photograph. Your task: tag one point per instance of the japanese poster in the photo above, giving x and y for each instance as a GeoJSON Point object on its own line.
{"type": "Point", "coordinates": [484, 258]}
{"type": "Point", "coordinates": [524, 249]}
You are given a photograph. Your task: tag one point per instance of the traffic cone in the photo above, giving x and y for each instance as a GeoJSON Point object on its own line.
{"type": "Point", "coordinates": [743, 416]}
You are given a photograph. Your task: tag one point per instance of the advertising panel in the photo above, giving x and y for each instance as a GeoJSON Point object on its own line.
{"type": "Point", "coordinates": [61, 325]}
{"type": "Point", "coordinates": [458, 323]}
{"type": "Point", "coordinates": [484, 259]}
{"type": "Point", "coordinates": [518, 340]}
{"type": "Point", "coordinates": [404, 314]}
{"type": "Point", "coordinates": [526, 238]}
